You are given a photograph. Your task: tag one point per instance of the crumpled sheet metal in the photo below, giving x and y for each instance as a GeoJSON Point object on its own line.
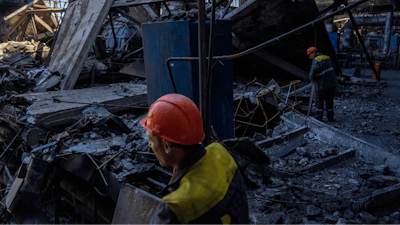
{"type": "Point", "coordinates": [135, 206]}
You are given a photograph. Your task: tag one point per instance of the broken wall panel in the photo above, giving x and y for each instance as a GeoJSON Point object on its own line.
{"type": "Point", "coordinates": [48, 113]}
{"type": "Point", "coordinates": [81, 24]}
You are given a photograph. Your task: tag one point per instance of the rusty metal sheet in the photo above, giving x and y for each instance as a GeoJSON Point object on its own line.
{"type": "Point", "coordinates": [134, 206]}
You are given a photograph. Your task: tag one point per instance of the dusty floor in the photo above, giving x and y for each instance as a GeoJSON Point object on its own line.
{"type": "Point", "coordinates": [336, 194]}
{"type": "Point", "coordinates": [371, 112]}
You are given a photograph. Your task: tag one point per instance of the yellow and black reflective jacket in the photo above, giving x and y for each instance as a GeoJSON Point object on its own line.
{"type": "Point", "coordinates": [207, 188]}
{"type": "Point", "coordinates": [322, 73]}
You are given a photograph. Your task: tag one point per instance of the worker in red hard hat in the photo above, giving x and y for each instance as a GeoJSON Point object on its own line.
{"type": "Point", "coordinates": [207, 186]}
{"type": "Point", "coordinates": [323, 76]}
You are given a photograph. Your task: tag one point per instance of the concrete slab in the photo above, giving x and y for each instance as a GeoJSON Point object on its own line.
{"type": "Point", "coordinates": [81, 24]}
{"type": "Point", "coordinates": [50, 114]}
{"type": "Point", "coordinates": [330, 161]}
{"type": "Point", "coordinates": [369, 152]}
{"type": "Point", "coordinates": [283, 137]}
{"type": "Point", "coordinates": [287, 150]}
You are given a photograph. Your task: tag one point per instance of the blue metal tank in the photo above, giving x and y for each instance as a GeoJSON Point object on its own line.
{"type": "Point", "coordinates": [162, 40]}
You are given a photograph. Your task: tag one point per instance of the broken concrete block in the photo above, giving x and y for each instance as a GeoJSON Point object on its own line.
{"type": "Point", "coordinates": [382, 169]}
{"type": "Point", "coordinates": [381, 181]}
{"type": "Point", "coordinates": [341, 221]}
{"type": "Point", "coordinates": [312, 222]}
{"type": "Point", "coordinates": [93, 148]}
{"type": "Point", "coordinates": [118, 142]}
{"type": "Point", "coordinates": [48, 84]}
{"type": "Point", "coordinates": [367, 217]}
{"type": "Point", "coordinates": [329, 219]}
{"type": "Point", "coordinates": [313, 211]}
{"type": "Point", "coordinates": [303, 161]}
{"type": "Point", "coordinates": [258, 137]}
{"type": "Point", "coordinates": [302, 151]}
{"type": "Point", "coordinates": [258, 218]}
{"type": "Point", "coordinates": [283, 137]}
{"type": "Point", "coordinates": [48, 112]}
{"type": "Point", "coordinates": [253, 172]}
{"type": "Point", "coordinates": [330, 161]}
{"type": "Point", "coordinates": [348, 214]}
{"type": "Point", "coordinates": [290, 148]}
{"type": "Point", "coordinates": [354, 182]}
{"type": "Point", "coordinates": [395, 216]}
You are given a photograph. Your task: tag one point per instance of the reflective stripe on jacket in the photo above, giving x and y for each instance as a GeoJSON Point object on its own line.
{"type": "Point", "coordinates": [210, 190]}
{"type": "Point", "coordinates": [322, 73]}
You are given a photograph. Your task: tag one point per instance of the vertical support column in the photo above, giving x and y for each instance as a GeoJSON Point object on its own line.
{"type": "Point", "coordinates": [388, 29]}
{"type": "Point", "coordinates": [57, 199]}
{"type": "Point", "coordinates": [113, 32]}
{"type": "Point", "coordinates": [203, 67]}
{"type": "Point", "coordinates": [371, 64]}
{"type": "Point", "coordinates": [207, 122]}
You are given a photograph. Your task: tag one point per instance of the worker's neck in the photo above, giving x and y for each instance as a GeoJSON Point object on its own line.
{"type": "Point", "coordinates": [179, 155]}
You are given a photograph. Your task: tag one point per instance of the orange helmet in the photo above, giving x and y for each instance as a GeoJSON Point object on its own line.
{"type": "Point", "coordinates": [311, 50]}
{"type": "Point", "coordinates": [175, 118]}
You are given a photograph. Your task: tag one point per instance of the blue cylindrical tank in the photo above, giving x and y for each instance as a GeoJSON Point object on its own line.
{"type": "Point", "coordinates": [162, 40]}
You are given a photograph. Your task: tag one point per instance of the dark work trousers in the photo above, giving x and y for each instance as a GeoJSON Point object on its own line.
{"type": "Point", "coordinates": [327, 97]}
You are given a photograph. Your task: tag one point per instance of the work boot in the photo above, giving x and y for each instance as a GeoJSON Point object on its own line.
{"type": "Point", "coordinates": [319, 114]}
{"type": "Point", "coordinates": [329, 114]}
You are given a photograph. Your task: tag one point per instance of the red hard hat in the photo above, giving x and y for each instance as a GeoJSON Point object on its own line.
{"type": "Point", "coordinates": [311, 50]}
{"type": "Point", "coordinates": [175, 118]}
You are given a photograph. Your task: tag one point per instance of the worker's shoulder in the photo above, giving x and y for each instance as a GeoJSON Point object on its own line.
{"type": "Point", "coordinates": [321, 57]}
{"type": "Point", "coordinates": [204, 185]}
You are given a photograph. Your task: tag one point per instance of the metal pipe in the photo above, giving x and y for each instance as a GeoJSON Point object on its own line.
{"type": "Point", "coordinates": [386, 37]}
{"type": "Point", "coordinates": [372, 21]}
{"type": "Point", "coordinates": [113, 32]}
{"type": "Point", "coordinates": [207, 123]}
{"type": "Point", "coordinates": [202, 46]}
{"type": "Point", "coordinates": [132, 53]}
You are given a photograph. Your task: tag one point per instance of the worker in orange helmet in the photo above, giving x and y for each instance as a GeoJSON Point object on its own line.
{"type": "Point", "coordinates": [322, 74]}
{"type": "Point", "coordinates": [206, 186]}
